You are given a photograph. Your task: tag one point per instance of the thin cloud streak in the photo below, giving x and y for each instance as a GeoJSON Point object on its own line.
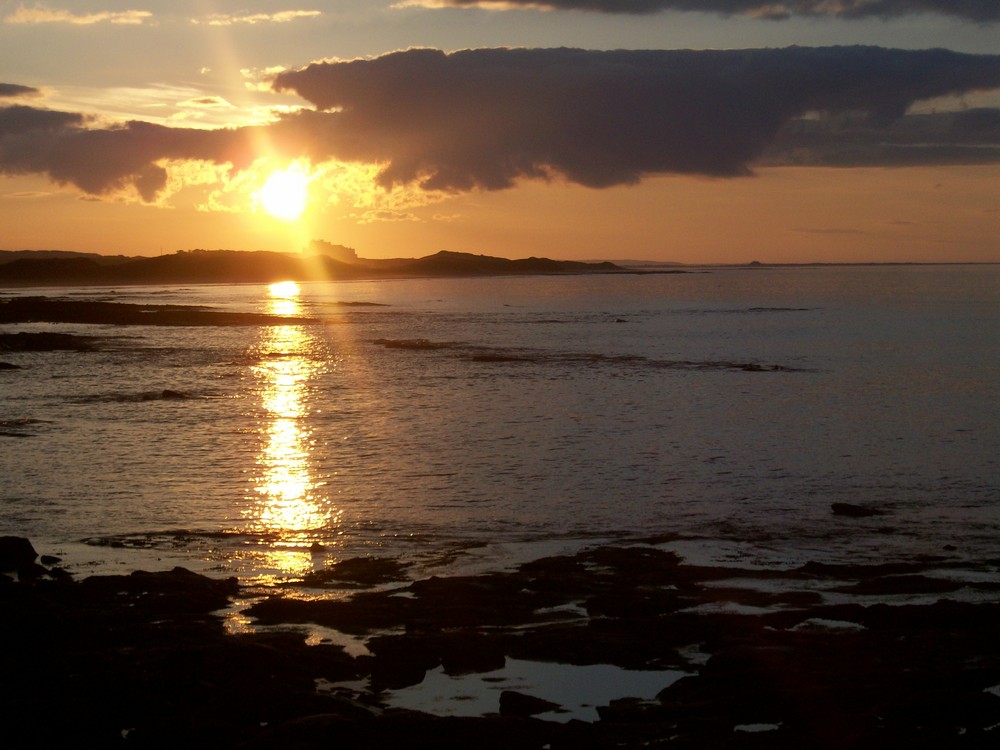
{"type": "Point", "coordinates": [252, 19]}
{"type": "Point", "coordinates": [41, 15]}
{"type": "Point", "coordinates": [485, 119]}
{"type": "Point", "coordinates": [981, 11]}
{"type": "Point", "coordinates": [16, 91]}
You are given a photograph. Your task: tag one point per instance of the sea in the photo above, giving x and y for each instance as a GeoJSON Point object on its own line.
{"type": "Point", "coordinates": [469, 424]}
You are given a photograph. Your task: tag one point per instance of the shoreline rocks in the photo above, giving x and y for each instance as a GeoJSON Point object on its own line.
{"type": "Point", "coordinates": [850, 510]}
{"type": "Point", "coordinates": [62, 310]}
{"type": "Point", "coordinates": [45, 342]}
{"type": "Point", "coordinates": [812, 661]}
{"type": "Point", "coordinates": [16, 551]}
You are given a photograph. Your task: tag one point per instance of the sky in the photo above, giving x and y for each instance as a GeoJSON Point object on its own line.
{"type": "Point", "coordinates": [693, 131]}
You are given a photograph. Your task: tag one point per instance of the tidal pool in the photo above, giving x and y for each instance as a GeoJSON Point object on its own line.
{"type": "Point", "coordinates": [577, 689]}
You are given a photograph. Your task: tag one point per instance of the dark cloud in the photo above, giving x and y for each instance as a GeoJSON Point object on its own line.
{"type": "Point", "coordinates": [102, 160]}
{"type": "Point", "coordinates": [982, 11]}
{"type": "Point", "coordinates": [20, 120]}
{"type": "Point", "coordinates": [14, 90]}
{"type": "Point", "coordinates": [968, 137]}
{"type": "Point", "coordinates": [487, 118]}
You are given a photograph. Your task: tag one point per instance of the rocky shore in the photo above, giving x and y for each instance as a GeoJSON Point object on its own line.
{"type": "Point", "coordinates": [903, 654]}
{"type": "Point", "coordinates": [99, 312]}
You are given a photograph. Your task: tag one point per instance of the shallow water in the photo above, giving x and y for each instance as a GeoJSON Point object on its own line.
{"type": "Point", "coordinates": [478, 422]}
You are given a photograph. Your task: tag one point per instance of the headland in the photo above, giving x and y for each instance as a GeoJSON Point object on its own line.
{"type": "Point", "coordinates": [46, 268]}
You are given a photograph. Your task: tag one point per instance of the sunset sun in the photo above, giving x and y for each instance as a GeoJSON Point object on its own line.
{"type": "Point", "coordinates": [285, 194]}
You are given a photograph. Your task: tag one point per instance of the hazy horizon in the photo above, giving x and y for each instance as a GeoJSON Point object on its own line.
{"type": "Point", "coordinates": [507, 256]}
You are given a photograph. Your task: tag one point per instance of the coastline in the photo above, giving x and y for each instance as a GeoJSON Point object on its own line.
{"type": "Point", "coordinates": [265, 267]}
{"type": "Point", "coordinates": [818, 656]}
{"type": "Point", "coordinates": [900, 651]}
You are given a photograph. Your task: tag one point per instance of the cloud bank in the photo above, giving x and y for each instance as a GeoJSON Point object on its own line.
{"type": "Point", "coordinates": [966, 137]}
{"type": "Point", "coordinates": [484, 119]}
{"type": "Point", "coordinates": [980, 11]}
{"type": "Point", "coordinates": [67, 148]}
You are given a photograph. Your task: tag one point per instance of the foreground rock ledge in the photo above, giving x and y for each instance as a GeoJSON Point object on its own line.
{"type": "Point", "coordinates": [142, 661]}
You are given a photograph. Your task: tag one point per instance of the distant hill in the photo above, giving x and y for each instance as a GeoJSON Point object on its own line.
{"type": "Point", "coordinates": [446, 263]}
{"type": "Point", "coordinates": [8, 256]}
{"type": "Point", "coordinates": [54, 268]}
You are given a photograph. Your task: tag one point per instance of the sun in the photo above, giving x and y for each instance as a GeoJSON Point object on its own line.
{"type": "Point", "coordinates": [285, 194]}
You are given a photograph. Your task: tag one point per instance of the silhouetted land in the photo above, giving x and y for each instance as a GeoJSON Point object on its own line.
{"type": "Point", "coordinates": [821, 656]}
{"type": "Point", "coordinates": [230, 266]}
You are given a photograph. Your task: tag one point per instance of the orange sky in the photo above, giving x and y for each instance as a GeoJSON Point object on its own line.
{"type": "Point", "coordinates": [557, 173]}
{"type": "Point", "coordinates": [782, 215]}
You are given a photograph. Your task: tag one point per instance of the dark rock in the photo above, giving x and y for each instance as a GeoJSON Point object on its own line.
{"type": "Point", "coordinates": [60, 310]}
{"type": "Point", "coordinates": [31, 571]}
{"type": "Point", "coordinates": [854, 511]}
{"type": "Point", "coordinates": [361, 614]}
{"type": "Point", "coordinates": [145, 652]}
{"type": "Point", "coordinates": [633, 711]}
{"type": "Point", "coordinates": [9, 366]}
{"type": "Point", "coordinates": [469, 653]}
{"type": "Point", "coordinates": [815, 569]}
{"type": "Point", "coordinates": [401, 661]}
{"type": "Point", "coordinates": [513, 703]}
{"type": "Point", "coordinates": [912, 584]}
{"type": "Point", "coordinates": [50, 560]}
{"type": "Point", "coordinates": [416, 731]}
{"type": "Point", "coordinates": [45, 342]}
{"type": "Point", "coordinates": [15, 551]}
{"type": "Point", "coordinates": [175, 593]}
{"type": "Point", "coordinates": [363, 571]}
{"type": "Point", "coordinates": [60, 574]}
{"type": "Point", "coordinates": [635, 603]}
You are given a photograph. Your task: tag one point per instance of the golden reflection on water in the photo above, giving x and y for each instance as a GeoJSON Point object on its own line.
{"type": "Point", "coordinates": [289, 509]}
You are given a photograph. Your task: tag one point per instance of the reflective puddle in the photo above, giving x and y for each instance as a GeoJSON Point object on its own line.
{"type": "Point", "coordinates": [577, 689]}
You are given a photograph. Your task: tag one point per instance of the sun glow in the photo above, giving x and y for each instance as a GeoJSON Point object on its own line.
{"type": "Point", "coordinates": [285, 194]}
{"type": "Point", "coordinates": [284, 290]}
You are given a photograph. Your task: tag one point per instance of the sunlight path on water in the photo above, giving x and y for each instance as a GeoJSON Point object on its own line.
{"type": "Point", "coordinates": [288, 508]}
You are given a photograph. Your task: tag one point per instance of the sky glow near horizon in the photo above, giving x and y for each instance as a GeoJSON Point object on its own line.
{"type": "Point", "coordinates": [678, 130]}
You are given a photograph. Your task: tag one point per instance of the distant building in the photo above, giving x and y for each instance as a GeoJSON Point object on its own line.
{"type": "Point", "coordinates": [337, 252]}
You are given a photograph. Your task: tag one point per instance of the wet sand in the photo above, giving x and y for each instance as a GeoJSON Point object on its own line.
{"type": "Point", "coordinates": [899, 654]}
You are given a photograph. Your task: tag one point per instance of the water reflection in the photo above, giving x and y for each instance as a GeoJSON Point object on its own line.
{"type": "Point", "coordinates": [288, 509]}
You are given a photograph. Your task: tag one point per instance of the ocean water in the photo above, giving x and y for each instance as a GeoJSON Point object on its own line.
{"type": "Point", "coordinates": [456, 423]}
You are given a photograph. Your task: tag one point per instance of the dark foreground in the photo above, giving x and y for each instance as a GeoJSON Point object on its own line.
{"type": "Point", "coordinates": [142, 661]}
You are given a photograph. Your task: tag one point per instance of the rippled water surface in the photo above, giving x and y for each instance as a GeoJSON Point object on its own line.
{"type": "Point", "coordinates": [473, 419]}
